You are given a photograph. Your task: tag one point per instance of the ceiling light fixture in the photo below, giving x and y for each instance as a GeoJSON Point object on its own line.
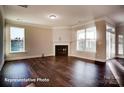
{"type": "Point", "coordinates": [52, 16]}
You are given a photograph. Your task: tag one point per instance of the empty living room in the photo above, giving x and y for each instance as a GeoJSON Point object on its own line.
{"type": "Point", "coordinates": [61, 45]}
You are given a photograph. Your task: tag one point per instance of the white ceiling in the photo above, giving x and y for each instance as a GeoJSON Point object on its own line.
{"type": "Point", "coordinates": [66, 14]}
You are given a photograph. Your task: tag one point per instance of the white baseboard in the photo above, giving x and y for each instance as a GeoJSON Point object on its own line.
{"type": "Point", "coordinates": [100, 60]}
{"type": "Point", "coordinates": [27, 57]}
{"type": "Point", "coordinates": [120, 56]}
{"type": "Point", "coordinates": [94, 59]}
{"type": "Point", "coordinates": [24, 57]}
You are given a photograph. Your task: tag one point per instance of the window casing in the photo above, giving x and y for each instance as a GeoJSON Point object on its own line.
{"type": "Point", "coordinates": [110, 42]}
{"type": "Point", "coordinates": [86, 39]}
{"type": "Point", "coordinates": [120, 45]}
{"type": "Point", "coordinates": [81, 40]}
{"type": "Point", "coordinates": [17, 39]}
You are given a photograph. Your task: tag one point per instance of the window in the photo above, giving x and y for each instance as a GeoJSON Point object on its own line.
{"type": "Point", "coordinates": [91, 39]}
{"type": "Point", "coordinates": [81, 40]}
{"type": "Point", "coordinates": [86, 39]}
{"type": "Point", "coordinates": [120, 45]}
{"type": "Point", "coordinates": [110, 42]}
{"type": "Point", "coordinates": [17, 39]}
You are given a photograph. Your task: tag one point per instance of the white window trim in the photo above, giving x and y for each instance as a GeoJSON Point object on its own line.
{"type": "Point", "coordinates": [85, 42]}
{"type": "Point", "coordinates": [24, 49]}
{"type": "Point", "coordinates": [122, 46]}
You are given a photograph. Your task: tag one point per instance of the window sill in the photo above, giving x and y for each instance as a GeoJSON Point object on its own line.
{"type": "Point", "coordinates": [85, 51]}
{"type": "Point", "coordinates": [18, 52]}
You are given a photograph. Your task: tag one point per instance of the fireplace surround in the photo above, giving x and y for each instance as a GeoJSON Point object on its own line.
{"type": "Point", "coordinates": [61, 50]}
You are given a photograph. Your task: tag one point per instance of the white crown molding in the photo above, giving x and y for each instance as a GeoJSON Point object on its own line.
{"type": "Point", "coordinates": [62, 27]}
{"type": "Point", "coordinates": [92, 22]}
{"type": "Point", "coordinates": [107, 19]}
{"type": "Point", "coordinates": [27, 24]}
{"type": "Point", "coordinates": [36, 25]}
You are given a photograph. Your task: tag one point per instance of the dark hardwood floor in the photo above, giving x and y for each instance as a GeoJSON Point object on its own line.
{"type": "Point", "coordinates": [117, 67]}
{"type": "Point", "coordinates": [60, 71]}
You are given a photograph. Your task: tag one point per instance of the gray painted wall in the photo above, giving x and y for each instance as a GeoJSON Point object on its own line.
{"type": "Point", "coordinates": [1, 38]}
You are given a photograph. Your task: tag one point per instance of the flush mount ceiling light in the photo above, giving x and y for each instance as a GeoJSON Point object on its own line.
{"type": "Point", "coordinates": [52, 16]}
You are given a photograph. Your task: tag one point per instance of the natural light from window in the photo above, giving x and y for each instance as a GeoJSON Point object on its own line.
{"type": "Point", "coordinates": [120, 45]}
{"type": "Point", "coordinates": [86, 39]}
{"type": "Point", "coordinates": [17, 39]}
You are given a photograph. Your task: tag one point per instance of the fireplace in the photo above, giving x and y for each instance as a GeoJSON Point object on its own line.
{"type": "Point", "coordinates": [61, 50]}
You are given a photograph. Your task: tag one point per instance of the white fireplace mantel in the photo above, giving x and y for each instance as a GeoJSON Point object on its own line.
{"type": "Point", "coordinates": [62, 43]}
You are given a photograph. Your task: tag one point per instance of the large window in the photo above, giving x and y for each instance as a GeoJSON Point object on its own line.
{"type": "Point", "coordinates": [17, 39]}
{"type": "Point", "coordinates": [110, 42]}
{"type": "Point", "coordinates": [81, 40]}
{"type": "Point", "coordinates": [86, 39]}
{"type": "Point", "coordinates": [120, 45]}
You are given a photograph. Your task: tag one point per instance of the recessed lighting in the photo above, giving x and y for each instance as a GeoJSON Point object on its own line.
{"type": "Point", "coordinates": [52, 16]}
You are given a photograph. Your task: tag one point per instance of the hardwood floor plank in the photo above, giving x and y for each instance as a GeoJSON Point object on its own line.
{"type": "Point", "coordinates": [61, 72]}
